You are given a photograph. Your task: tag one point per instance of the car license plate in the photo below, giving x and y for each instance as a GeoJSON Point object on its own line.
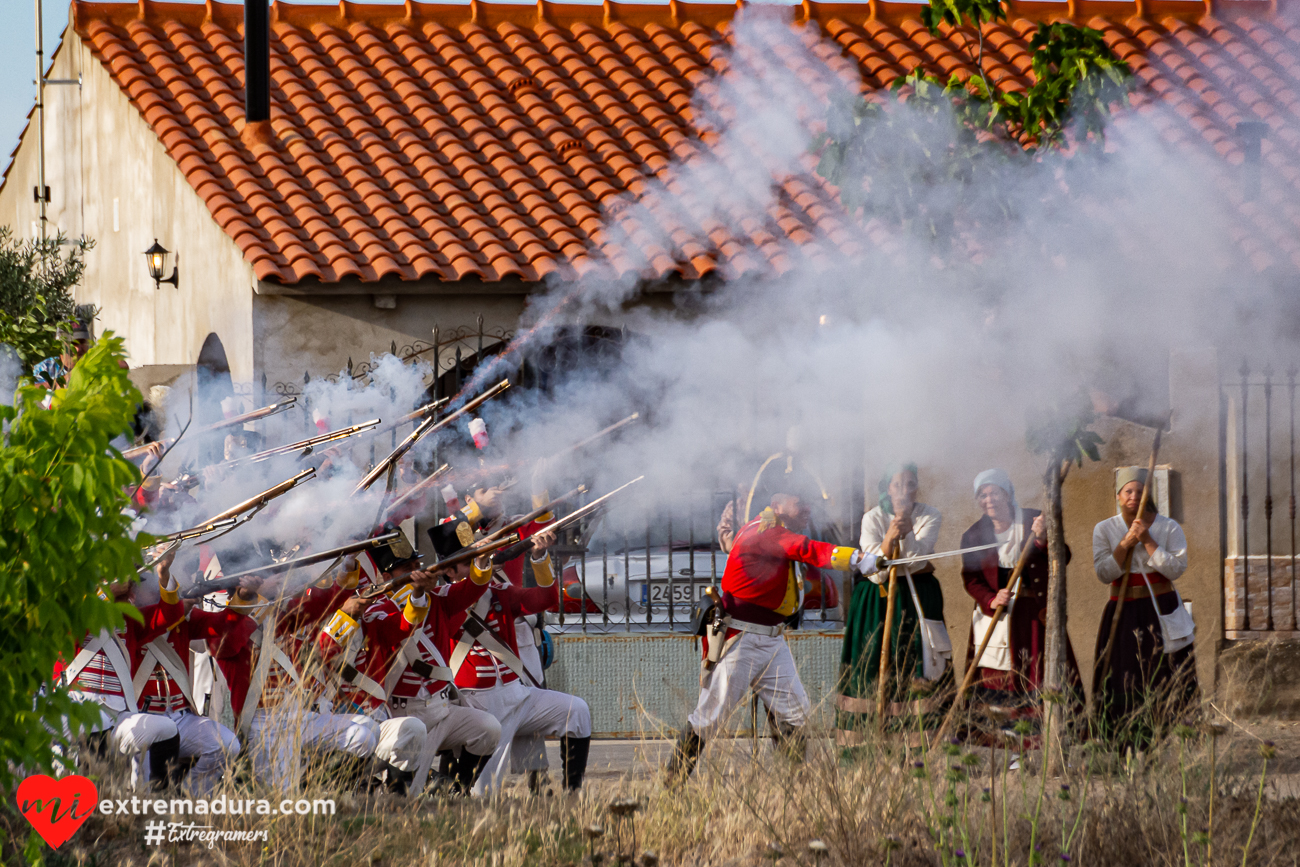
{"type": "Point", "coordinates": [681, 594]}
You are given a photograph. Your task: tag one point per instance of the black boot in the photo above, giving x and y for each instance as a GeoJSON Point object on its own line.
{"type": "Point", "coordinates": [791, 740]}
{"type": "Point", "coordinates": [468, 767]}
{"type": "Point", "coordinates": [685, 754]}
{"type": "Point", "coordinates": [573, 760]}
{"type": "Point", "coordinates": [164, 763]}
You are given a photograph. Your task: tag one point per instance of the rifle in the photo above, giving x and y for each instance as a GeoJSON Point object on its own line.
{"type": "Point", "coordinates": [597, 435]}
{"type": "Point", "coordinates": [533, 515]}
{"type": "Point", "coordinates": [429, 426]}
{"type": "Point", "coordinates": [230, 582]}
{"type": "Point", "coordinates": [305, 446]}
{"type": "Point", "coordinates": [418, 488]}
{"type": "Point", "coordinates": [454, 560]}
{"type": "Point", "coordinates": [260, 501]}
{"type": "Point", "coordinates": [573, 517]}
{"type": "Point", "coordinates": [254, 415]}
{"type": "Point", "coordinates": [426, 410]}
{"type": "Point", "coordinates": [213, 526]}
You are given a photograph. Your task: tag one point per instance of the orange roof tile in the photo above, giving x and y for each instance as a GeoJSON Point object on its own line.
{"type": "Point", "coordinates": [483, 141]}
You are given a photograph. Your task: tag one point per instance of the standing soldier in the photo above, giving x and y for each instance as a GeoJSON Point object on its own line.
{"type": "Point", "coordinates": [744, 644]}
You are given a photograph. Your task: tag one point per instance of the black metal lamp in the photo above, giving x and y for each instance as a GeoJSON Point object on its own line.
{"type": "Point", "coordinates": [156, 256]}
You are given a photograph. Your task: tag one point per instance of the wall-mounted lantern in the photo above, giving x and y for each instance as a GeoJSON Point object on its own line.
{"type": "Point", "coordinates": [156, 256]}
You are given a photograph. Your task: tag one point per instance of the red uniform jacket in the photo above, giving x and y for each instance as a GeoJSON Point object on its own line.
{"type": "Point", "coordinates": [447, 606]}
{"type": "Point", "coordinates": [482, 670]}
{"type": "Point", "coordinates": [225, 632]}
{"type": "Point", "coordinates": [384, 627]}
{"type": "Point", "coordinates": [758, 567]}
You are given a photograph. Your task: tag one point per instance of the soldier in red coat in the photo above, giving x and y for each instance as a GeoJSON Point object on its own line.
{"type": "Point", "coordinates": [744, 643]}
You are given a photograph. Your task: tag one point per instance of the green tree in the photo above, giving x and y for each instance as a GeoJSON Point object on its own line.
{"type": "Point", "coordinates": [952, 157]}
{"type": "Point", "coordinates": [36, 281]}
{"type": "Point", "coordinates": [63, 534]}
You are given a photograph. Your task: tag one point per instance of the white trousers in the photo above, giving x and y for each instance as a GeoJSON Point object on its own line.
{"type": "Point", "coordinates": [528, 752]}
{"type": "Point", "coordinates": [759, 662]}
{"type": "Point", "coordinates": [524, 711]}
{"type": "Point", "coordinates": [278, 735]}
{"type": "Point", "coordinates": [449, 726]}
{"type": "Point", "coordinates": [400, 739]}
{"type": "Point", "coordinates": [213, 744]}
{"type": "Point", "coordinates": [130, 734]}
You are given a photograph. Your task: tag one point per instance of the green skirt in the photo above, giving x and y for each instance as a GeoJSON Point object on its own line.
{"type": "Point", "coordinates": [913, 703]}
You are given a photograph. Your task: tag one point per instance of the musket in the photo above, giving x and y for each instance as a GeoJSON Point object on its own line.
{"type": "Point", "coordinates": [424, 411]}
{"type": "Point", "coordinates": [266, 496]}
{"type": "Point", "coordinates": [597, 435]}
{"type": "Point", "coordinates": [447, 563]}
{"type": "Point", "coordinates": [215, 525]}
{"type": "Point", "coordinates": [254, 415]}
{"type": "Point", "coordinates": [305, 446]}
{"type": "Point", "coordinates": [418, 488]}
{"type": "Point", "coordinates": [533, 515]}
{"type": "Point", "coordinates": [229, 582]}
{"type": "Point", "coordinates": [573, 517]}
{"type": "Point", "coordinates": [430, 425]}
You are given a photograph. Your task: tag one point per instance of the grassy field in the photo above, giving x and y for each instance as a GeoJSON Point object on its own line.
{"type": "Point", "coordinates": [880, 804]}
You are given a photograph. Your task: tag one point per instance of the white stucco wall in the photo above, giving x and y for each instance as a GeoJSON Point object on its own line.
{"type": "Point", "coordinates": [99, 151]}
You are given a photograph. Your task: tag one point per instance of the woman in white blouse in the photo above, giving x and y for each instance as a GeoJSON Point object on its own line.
{"type": "Point", "coordinates": [1151, 678]}
{"type": "Point", "coordinates": [920, 664]}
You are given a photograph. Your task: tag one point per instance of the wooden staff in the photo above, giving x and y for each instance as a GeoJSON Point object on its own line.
{"type": "Point", "coordinates": [968, 681]}
{"type": "Point", "coordinates": [882, 697]}
{"type": "Point", "coordinates": [1103, 663]}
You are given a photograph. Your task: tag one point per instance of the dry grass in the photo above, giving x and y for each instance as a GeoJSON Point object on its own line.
{"type": "Point", "coordinates": [882, 804]}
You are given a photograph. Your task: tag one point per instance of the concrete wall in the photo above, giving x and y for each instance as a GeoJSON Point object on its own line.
{"type": "Point", "coordinates": [644, 685]}
{"type": "Point", "coordinates": [294, 334]}
{"type": "Point", "coordinates": [102, 157]}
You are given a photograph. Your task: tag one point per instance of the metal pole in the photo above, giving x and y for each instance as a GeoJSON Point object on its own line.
{"type": "Point", "coordinates": [1245, 498]}
{"type": "Point", "coordinates": [627, 582]}
{"type": "Point", "coordinates": [1268, 487]}
{"type": "Point", "coordinates": [1290, 386]}
{"type": "Point", "coordinates": [40, 118]}
{"type": "Point", "coordinates": [670, 566]}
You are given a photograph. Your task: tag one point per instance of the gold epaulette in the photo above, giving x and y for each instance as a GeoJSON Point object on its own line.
{"type": "Point", "coordinates": [472, 512]}
{"type": "Point", "coordinates": [767, 519]}
{"type": "Point", "coordinates": [172, 596]}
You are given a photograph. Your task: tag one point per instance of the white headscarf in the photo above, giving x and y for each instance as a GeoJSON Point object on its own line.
{"type": "Point", "coordinates": [1008, 551]}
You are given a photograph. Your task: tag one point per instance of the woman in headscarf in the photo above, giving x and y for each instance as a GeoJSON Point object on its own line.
{"type": "Point", "coordinates": [920, 653]}
{"type": "Point", "coordinates": [1147, 684]}
{"type": "Point", "coordinates": [1010, 672]}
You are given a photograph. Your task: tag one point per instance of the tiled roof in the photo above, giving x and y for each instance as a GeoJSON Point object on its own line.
{"type": "Point", "coordinates": [453, 142]}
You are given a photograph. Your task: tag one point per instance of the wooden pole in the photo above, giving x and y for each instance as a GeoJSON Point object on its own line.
{"type": "Point", "coordinates": [1054, 654]}
{"type": "Point", "coordinates": [1103, 663]}
{"type": "Point", "coordinates": [882, 692]}
{"type": "Point", "coordinates": [973, 666]}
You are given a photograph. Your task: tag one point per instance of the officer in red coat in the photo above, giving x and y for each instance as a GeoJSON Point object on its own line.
{"type": "Point", "coordinates": [744, 643]}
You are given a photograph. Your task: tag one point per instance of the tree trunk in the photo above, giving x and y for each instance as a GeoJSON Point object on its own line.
{"type": "Point", "coordinates": [1054, 654]}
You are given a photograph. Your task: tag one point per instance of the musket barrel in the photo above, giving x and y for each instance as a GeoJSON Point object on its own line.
{"type": "Point", "coordinates": [227, 582]}
{"type": "Point", "coordinates": [267, 495]}
{"type": "Point", "coordinates": [254, 415]}
{"type": "Point", "coordinates": [301, 445]}
{"type": "Point", "coordinates": [429, 426]}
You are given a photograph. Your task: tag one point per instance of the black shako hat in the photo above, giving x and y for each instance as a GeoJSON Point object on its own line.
{"type": "Point", "coordinates": [451, 537]}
